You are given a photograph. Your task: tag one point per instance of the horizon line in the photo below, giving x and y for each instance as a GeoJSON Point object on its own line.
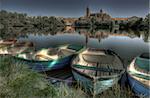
{"type": "Point", "coordinates": [31, 15]}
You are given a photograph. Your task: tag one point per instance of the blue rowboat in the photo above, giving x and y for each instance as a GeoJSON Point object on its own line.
{"type": "Point", "coordinates": [51, 58]}
{"type": "Point", "coordinates": [97, 70]}
{"type": "Point", "coordinates": [139, 75]}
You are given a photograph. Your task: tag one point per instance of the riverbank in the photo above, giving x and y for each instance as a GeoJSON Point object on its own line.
{"type": "Point", "coordinates": [17, 81]}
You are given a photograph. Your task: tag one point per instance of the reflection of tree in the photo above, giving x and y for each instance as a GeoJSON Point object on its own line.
{"type": "Point", "coordinates": [145, 36]}
{"type": "Point", "coordinates": [8, 32]}
{"type": "Point", "coordinates": [104, 33]}
{"type": "Point", "coordinates": [93, 33]}
{"type": "Point", "coordinates": [133, 34]}
{"type": "Point", "coordinates": [11, 32]}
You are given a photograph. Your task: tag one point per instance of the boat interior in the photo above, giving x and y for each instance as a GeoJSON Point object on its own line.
{"type": "Point", "coordinates": [142, 65]}
{"type": "Point", "coordinates": [145, 55]}
{"type": "Point", "coordinates": [48, 54]}
{"type": "Point", "coordinates": [98, 63]}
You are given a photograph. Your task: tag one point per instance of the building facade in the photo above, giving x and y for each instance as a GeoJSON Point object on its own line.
{"type": "Point", "coordinates": [100, 16]}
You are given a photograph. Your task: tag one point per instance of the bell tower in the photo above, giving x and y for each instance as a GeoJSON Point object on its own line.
{"type": "Point", "coordinates": [101, 11]}
{"type": "Point", "coordinates": [87, 12]}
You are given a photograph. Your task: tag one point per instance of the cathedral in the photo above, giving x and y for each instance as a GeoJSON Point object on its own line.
{"type": "Point", "coordinates": [101, 16]}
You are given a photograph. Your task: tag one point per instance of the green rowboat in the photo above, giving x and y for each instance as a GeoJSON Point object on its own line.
{"type": "Point", "coordinates": [139, 75]}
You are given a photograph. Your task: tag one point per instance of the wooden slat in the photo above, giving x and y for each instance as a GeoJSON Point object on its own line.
{"type": "Point", "coordinates": [99, 72]}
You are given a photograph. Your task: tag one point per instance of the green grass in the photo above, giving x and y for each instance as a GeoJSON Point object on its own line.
{"type": "Point", "coordinates": [18, 81]}
{"type": "Point", "coordinates": [118, 92]}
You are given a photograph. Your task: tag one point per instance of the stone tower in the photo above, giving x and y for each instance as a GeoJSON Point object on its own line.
{"type": "Point", "coordinates": [87, 12]}
{"type": "Point", "coordinates": [101, 11]}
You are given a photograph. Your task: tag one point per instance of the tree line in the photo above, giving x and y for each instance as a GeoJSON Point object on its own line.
{"type": "Point", "coordinates": [14, 19]}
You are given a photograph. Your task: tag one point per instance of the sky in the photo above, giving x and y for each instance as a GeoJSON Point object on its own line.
{"type": "Point", "coordinates": [76, 8]}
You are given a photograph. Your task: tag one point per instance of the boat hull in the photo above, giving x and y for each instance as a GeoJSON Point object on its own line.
{"type": "Point", "coordinates": [96, 86]}
{"type": "Point", "coordinates": [138, 87]}
{"type": "Point", "coordinates": [41, 66]}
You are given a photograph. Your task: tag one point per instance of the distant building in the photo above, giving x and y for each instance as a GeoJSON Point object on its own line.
{"type": "Point", "coordinates": [100, 16]}
{"type": "Point", "coordinates": [119, 20]}
{"type": "Point", "coordinates": [87, 12]}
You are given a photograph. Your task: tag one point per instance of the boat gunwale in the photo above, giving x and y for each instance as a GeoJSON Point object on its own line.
{"type": "Point", "coordinates": [94, 78]}
{"type": "Point", "coordinates": [134, 73]}
{"type": "Point", "coordinates": [32, 60]}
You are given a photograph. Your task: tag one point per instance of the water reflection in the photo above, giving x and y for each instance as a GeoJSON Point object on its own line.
{"type": "Point", "coordinates": [87, 32]}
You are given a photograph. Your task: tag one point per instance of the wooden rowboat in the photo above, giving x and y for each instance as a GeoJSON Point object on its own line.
{"type": "Point", "coordinates": [51, 58]}
{"type": "Point", "coordinates": [139, 75]}
{"type": "Point", "coordinates": [97, 70]}
{"type": "Point", "coordinates": [16, 48]}
{"type": "Point", "coordinates": [4, 44]}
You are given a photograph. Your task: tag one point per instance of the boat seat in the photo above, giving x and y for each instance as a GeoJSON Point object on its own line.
{"type": "Point", "coordinates": [98, 69]}
{"type": "Point", "coordinates": [108, 59]}
{"type": "Point", "coordinates": [52, 51]}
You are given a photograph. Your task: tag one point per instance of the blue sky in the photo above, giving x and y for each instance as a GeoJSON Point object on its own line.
{"type": "Point", "coordinates": [76, 8]}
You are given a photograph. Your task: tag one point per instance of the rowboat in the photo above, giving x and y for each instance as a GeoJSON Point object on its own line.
{"type": "Point", "coordinates": [20, 47]}
{"type": "Point", "coordinates": [8, 42]}
{"type": "Point", "coordinates": [16, 48]}
{"type": "Point", "coordinates": [51, 58]}
{"type": "Point", "coordinates": [4, 44]}
{"type": "Point", "coordinates": [139, 75]}
{"type": "Point", "coordinates": [96, 70]}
